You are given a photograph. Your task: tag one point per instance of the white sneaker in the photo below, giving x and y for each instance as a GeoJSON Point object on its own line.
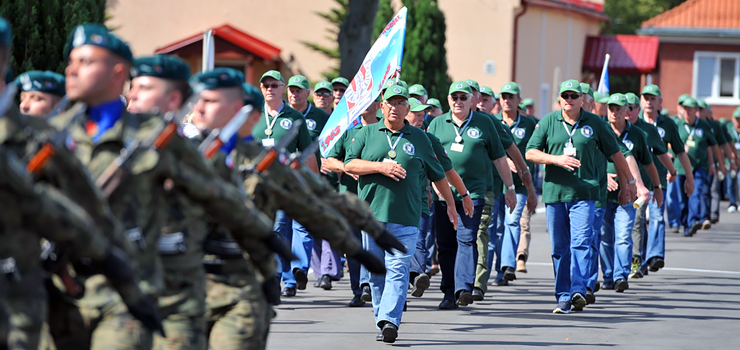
{"type": "Point", "coordinates": [732, 209]}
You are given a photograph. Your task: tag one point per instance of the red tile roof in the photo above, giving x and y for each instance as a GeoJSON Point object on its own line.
{"type": "Point", "coordinates": [630, 54]}
{"type": "Point", "coordinates": [699, 14]}
{"type": "Point", "coordinates": [234, 36]}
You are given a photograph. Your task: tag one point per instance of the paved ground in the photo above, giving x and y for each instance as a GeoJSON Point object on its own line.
{"type": "Point", "coordinates": [693, 303]}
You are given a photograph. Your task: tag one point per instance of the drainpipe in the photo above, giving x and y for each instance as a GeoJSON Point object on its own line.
{"type": "Point", "coordinates": [523, 5]}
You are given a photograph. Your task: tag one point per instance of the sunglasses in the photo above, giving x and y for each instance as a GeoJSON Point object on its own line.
{"type": "Point", "coordinates": [459, 97]}
{"type": "Point", "coordinates": [566, 96]}
{"type": "Point", "coordinates": [322, 93]}
{"type": "Point", "coordinates": [272, 86]}
{"type": "Point", "coordinates": [340, 90]}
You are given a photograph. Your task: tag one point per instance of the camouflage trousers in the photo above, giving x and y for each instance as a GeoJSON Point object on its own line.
{"type": "Point", "coordinates": [237, 313]}
{"type": "Point", "coordinates": [183, 304]}
{"type": "Point", "coordinates": [98, 321]}
{"type": "Point", "coordinates": [481, 270]}
{"type": "Point", "coordinates": [26, 304]}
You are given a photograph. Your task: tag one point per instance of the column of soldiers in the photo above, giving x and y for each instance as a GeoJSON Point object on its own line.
{"type": "Point", "coordinates": [124, 228]}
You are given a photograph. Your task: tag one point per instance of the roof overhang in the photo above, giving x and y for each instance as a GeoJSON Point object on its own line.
{"type": "Point", "coordinates": [694, 35]}
{"type": "Point", "coordinates": [233, 36]}
{"type": "Point", "coordinates": [581, 7]}
{"type": "Point", "coordinates": [630, 54]}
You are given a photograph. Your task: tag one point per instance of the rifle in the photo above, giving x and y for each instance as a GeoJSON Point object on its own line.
{"type": "Point", "coordinates": [219, 137]}
{"type": "Point", "coordinates": [297, 158]}
{"type": "Point", "coordinates": [114, 174]}
{"type": "Point", "coordinates": [39, 160]}
{"type": "Point", "coordinates": [265, 159]}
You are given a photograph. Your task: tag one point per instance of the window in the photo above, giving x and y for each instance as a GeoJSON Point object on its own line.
{"type": "Point", "coordinates": [717, 77]}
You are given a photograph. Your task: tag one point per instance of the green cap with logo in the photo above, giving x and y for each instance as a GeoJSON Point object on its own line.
{"type": "Point", "coordinates": [417, 89]}
{"type": "Point", "coordinates": [617, 99]}
{"type": "Point", "coordinates": [601, 98]}
{"type": "Point", "coordinates": [272, 74]}
{"type": "Point", "coordinates": [632, 98]}
{"type": "Point", "coordinates": [485, 90]}
{"type": "Point", "coordinates": [683, 98]}
{"type": "Point", "coordinates": [323, 85]}
{"type": "Point", "coordinates": [473, 84]}
{"type": "Point", "coordinates": [391, 82]}
{"type": "Point", "coordinates": [434, 103]}
{"type": "Point", "coordinates": [253, 96]}
{"type": "Point", "coordinates": [651, 89]}
{"type": "Point", "coordinates": [396, 90]}
{"type": "Point", "coordinates": [736, 113]}
{"type": "Point", "coordinates": [689, 102]}
{"type": "Point", "coordinates": [570, 85]}
{"type": "Point", "coordinates": [586, 89]}
{"type": "Point", "coordinates": [701, 103]}
{"type": "Point", "coordinates": [526, 103]}
{"type": "Point", "coordinates": [460, 86]}
{"type": "Point", "coordinates": [299, 81]}
{"type": "Point", "coordinates": [340, 80]}
{"type": "Point", "coordinates": [98, 35]}
{"type": "Point", "coordinates": [161, 66]}
{"type": "Point", "coordinates": [6, 33]}
{"type": "Point", "coordinates": [218, 78]}
{"type": "Point", "coordinates": [46, 81]}
{"type": "Point", "coordinates": [511, 88]}
{"type": "Point", "coordinates": [417, 106]}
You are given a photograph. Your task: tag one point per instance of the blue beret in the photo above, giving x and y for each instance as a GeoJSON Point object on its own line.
{"type": "Point", "coordinates": [217, 79]}
{"type": "Point", "coordinates": [161, 66]}
{"type": "Point", "coordinates": [46, 81]}
{"type": "Point", "coordinates": [98, 35]}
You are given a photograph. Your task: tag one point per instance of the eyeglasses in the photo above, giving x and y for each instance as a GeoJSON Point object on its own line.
{"type": "Point", "coordinates": [340, 90]}
{"type": "Point", "coordinates": [273, 85]}
{"type": "Point", "coordinates": [507, 96]}
{"type": "Point", "coordinates": [322, 93]}
{"type": "Point", "coordinates": [566, 96]}
{"type": "Point", "coordinates": [459, 97]}
{"type": "Point", "coordinates": [397, 104]}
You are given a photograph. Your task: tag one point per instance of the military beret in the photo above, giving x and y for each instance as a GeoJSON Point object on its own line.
{"type": "Point", "coordinates": [434, 103]}
{"type": "Point", "coordinates": [46, 81]}
{"type": "Point", "coordinates": [298, 81]}
{"type": "Point", "coordinates": [322, 85]}
{"type": "Point", "coordinates": [253, 96]}
{"type": "Point", "coordinates": [98, 35]}
{"type": "Point", "coordinates": [396, 90]}
{"type": "Point", "coordinates": [272, 74]}
{"type": "Point", "coordinates": [417, 89]}
{"type": "Point", "coordinates": [340, 80]}
{"type": "Point", "coordinates": [217, 79]}
{"type": "Point", "coordinates": [460, 86]}
{"type": "Point", "coordinates": [161, 66]}
{"type": "Point", "coordinates": [6, 33]}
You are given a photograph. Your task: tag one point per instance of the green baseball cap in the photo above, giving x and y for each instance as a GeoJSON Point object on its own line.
{"type": "Point", "coordinates": [526, 102]}
{"type": "Point", "coordinates": [586, 89]}
{"type": "Point", "coordinates": [632, 98]}
{"type": "Point", "coordinates": [665, 111]}
{"type": "Point", "coordinates": [218, 78]}
{"type": "Point", "coordinates": [683, 98]}
{"type": "Point", "coordinates": [98, 35]}
{"type": "Point", "coordinates": [298, 81]}
{"type": "Point", "coordinates": [460, 86]}
{"type": "Point", "coordinates": [570, 85]}
{"type": "Point", "coordinates": [434, 103]}
{"type": "Point", "coordinates": [392, 82]}
{"type": "Point", "coordinates": [340, 80]}
{"type": "Point", "coordinates": [322, 85]}
{"type": "Point", "coordinates": [272, 74]}
{"type": "Point", "coordinates": [417, 106]}
{"type": "Point", "coordinates": [46, 81]}
{"type": "Point", "coordinates": [651, 89]}
{"type": "Point", "coordinates": [473, 84]}
{"type": "Point", "coordinates": [598, 97]}
{"type": "Point", "coordinates": [690, 102]}
{"type": "Point", "coordinates": [617, 99]}
{"type": "Point", "coordinates": [417, 89]}
{"type": "Point", "coordinates": [253, 96]}
{"type": "Point", "coordinates": [161, 66]}
{"type": "Point", "coordinates": [485, 90]}
{"type": "Point", "coordinates": [736, 113]}
{"type": "Point", "coordinates": [6, 33]}
{"type": "Point", "coordinates": [396, 90]}
{"type": "Point", "coordinates": [701, 103]}
{"type": "Point", "coordinates": [511, 88]}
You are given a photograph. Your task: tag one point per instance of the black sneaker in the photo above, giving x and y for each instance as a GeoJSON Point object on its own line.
{"type": "Point", "coordinates": [578, 302]}
{"type": "Point", "coordinates": [607, 285]}
{"type": "Point", "coordinates": [562, 308]}
{"type": "Point", "coordinates": [325, 283]}
{"type": "Point", "coordinates": [389, 332]}
{"type": "Point", "coordinates": [465, 298]}
{"type": "Point", "coordinates": [597, 287]}
{"type": "Point", "coordinates": [301, 280]}
{"type": "Point", "coordinates": [509, 273]}
{"type": "Point", "coordinates": [447, 304]}
{"type": "Point", "coordinates": [590, 297]}
{"type": "Point", "coordinates": [421, 284]}
{"type": "Point", "coordinates": [356, 301]}
{"type": "Point", "coordinates": [367, 294]}
{"type": "Point", "coordinates": [656, 263]}
{"type": "Point", "coordinates": [478, 294]}
{"type": "Point", "coordinates": [621, 285]}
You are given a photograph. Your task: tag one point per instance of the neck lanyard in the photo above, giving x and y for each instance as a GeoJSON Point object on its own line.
{"type": "Point", "coordinates": [392, 153]}
{"type": "Point", "coordinates": [459, 131]}
{"type": "Point", "coordinates": [518, 120]}
{"type": "Point", "coordinates": [571, 132]}
{"type": "Point", "coordinates": [624, 137]}
{"type": "Point", "coordinates": [307, 110]}
{"type": "Point", "coordinates": [271, 125]}
{"type": "Point", "coordinates": [691, 132]}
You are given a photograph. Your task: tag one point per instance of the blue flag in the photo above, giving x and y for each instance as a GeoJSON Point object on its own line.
{"type": "Point", "coordinates": [380, 64]}
{"type": "Point", "coordinates": [604, 81]}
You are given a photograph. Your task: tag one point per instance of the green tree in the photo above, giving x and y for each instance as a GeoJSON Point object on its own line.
{"type": "Point", "coordinates": [41, 28]}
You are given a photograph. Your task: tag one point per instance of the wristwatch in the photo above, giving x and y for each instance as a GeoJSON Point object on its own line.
{"type": "Point", "coordinates": [512, 188]}
{"type": "Point", "coordinates": [633, 181]}
{"type": "Point", "coordinates": [467, 193]}
{"type": "Point", "coordinates": [673, 173]}
{"type": "Point", "coordinates": [525, 171]}
{"type": "Point", "coordinates": [658, 187]}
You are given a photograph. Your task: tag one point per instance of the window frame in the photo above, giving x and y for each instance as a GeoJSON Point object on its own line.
{"type": "Point", "coordinates": [714, 98]}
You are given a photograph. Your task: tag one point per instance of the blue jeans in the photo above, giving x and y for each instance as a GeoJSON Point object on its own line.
{"type": "Point", "coordinates": [706, 199]}
{"type": "Point", "coordinates": [358, 275]}
{"type": "Point", "coordinates": [674, 196]}
{"type": "Point", "coordinates": [302, 247]}
{"type": "Point", "coordinates": [509, 241]}
{"type": "Point", "coordinates": [616, 241]}
{"type": "Point", "coordinates": [595, 247]}
{"type": "Point", "coordinates": [691, 207]}
{"type": "Point", "coordinates": [731, 190]}
{"type": "Point", "coordinates": [283, 226]}
{"type": "Point", "coordinates": [458, 253]}
{"type": "Point", "coordinates": [389, 289]}
{"type": "Point", "coordinates": [495, 231]}
{"type": "Point", "coordinates": [656, 232]}
{"type": "Point", "coordinates": [430, 237]}
{"type": "Point", "coordinates": [419, 261]}
{"type": "Point", "coordinates": [570, 226]}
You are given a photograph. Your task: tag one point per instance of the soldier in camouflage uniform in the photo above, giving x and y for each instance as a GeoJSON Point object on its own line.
{"type": "Point", "coordinates": [41, 92]}
{"type": "Point", "coordinates": [98, 67]}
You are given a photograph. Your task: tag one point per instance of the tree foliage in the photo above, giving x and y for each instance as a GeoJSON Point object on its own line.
{"type": "Point", "coordinates": [41, 28]}
{"type": "Point", "coordinates": [626, 16]}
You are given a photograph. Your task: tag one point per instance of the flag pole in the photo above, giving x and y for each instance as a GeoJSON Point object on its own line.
{"type": "Point", "coordinates": [604, 79]}
{"type": "Point", "coordinates": [208, 51]}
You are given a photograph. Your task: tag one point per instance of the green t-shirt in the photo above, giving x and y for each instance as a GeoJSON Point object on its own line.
{"type": "Point", "coordinates": [732, 136]}
{"type": "Point", "coordinates": [394, 201]}
{"type": "Point", "coordinates": [521, 132]}
{"type": "Point", "coordinates": [657, 148]}
{"type": "Point", "coordinates": [590, 135]}
{"type": "Point", "coordinates": [339, 151]}
{"type": "Point", "coordinates": [315, 119]}
{"type": "Point", "coordinates": [701, 138]}
{"type": "Point", "coordinates": [602, 162]}
{"type": "Point", "coordinates": [636, 141]}
{"type": "Point", "coordinates": [472, 157]}
{"type": "Point", "coordinates": [717, 132]}
{"type": "Point", "coordinates": [504, 134]}
{"type": "Point", "coordinates": [444, 160]}
{"type": "Point", "coordinates": [280, 126]}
